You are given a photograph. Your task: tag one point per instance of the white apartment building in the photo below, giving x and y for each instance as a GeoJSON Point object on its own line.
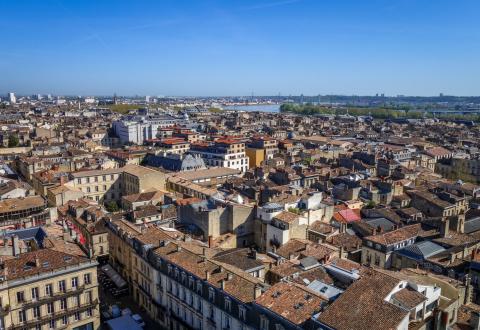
{"type": "Point", "coordinates": [137, 129]}
{"type": "Point", "coordinates": [223, 153]}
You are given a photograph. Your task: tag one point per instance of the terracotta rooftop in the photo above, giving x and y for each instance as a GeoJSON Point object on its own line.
{"type": "Point", "coordinates": [396, 236]}
{"type": "Point", "coordinates": [291, 301]}
{"type": "Point", "coordinates": [362, 305]}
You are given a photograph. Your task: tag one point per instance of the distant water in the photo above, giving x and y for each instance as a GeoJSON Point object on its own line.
{"type": "Point", "coordinates": [255, 107]}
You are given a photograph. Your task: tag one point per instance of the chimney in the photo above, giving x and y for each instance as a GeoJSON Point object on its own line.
{"type": "Point", "coordinates": [340, 253]}
{"type": "Point", "coordinates": [444, 227]}
{"type": "Point", "coordinates": [229, 276]}
{"type": "Point", "coordinates": [222, 284]}
{"type": "Point", "coordinates": [207, 275]}
{"type": "Point", "coordinates": [179, 248]}
{"type": "Point", "coordinates": [210, 241]}
{"type": "Point", "coordinates": [15, 245]}
{"type": "Point", "coordinates": [452, 257]}
{"type": "Point", "coordinates": [37, 261]}
{"type": "Point", "coordinates": [258, 291]}
{"type": "Point", "coordinates": [464, 251]}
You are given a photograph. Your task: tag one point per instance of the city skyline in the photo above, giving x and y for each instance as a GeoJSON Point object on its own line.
{"type": "Point", "coordinates": [236, 48]}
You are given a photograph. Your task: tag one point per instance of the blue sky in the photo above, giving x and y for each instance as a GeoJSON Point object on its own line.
{"type": "Point", "coordinates": [265, 47]}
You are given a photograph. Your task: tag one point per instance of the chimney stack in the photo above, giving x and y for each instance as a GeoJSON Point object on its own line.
{"type": "Point", "coordinates": [15, 245]}
{"type": "Point", "coordinates": [258, 291]}
{"type": "Point", "coordinates": [222, 284]}
{"type": "Point", "coordinates": [207, 275]}
{"type": "Point", "coordinates": [37, 261]}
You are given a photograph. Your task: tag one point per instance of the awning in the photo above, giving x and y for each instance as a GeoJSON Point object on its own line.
{"type": "Point", "coordinates": [114, 276]}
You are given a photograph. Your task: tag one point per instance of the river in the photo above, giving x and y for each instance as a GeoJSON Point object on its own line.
{"type": "Point", "coordinates": [254, 107]}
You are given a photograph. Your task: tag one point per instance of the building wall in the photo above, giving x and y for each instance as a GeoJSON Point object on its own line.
{"type": "Point", "coordinates": [87, 293]}
{"type": "Point", "coordinates": [255, 156]}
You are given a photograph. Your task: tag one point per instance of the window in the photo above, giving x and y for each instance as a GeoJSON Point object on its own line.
{"type": "Point", "coordinates": [35, 293]}
{"type": "Point", "coordinates": [20, 296]}
{"type": "Point", "coordinates": [242, 313]}
{"type": "Point", "coordinates": [74, 282]}
{"type": "Point", "coordinates": [48, 290]}
{"type": "Point", "coordinates": [77, 316]}
{"type": "Point", "coordinates": [63, 303]}
{"type": "Point", "coordinates": [79, 181]}
{"type": "Point", "coordinates": [36, 312]}
{"type": "Point", "coordinates": [50, 308]}
{"type": "Point", "coordinates": [211, 294]}
{"type": "Point", "coordinates": [61, 286]}
{"type": "Point", "coordinates": [51, 324]}
{"type": "Point", "coordinates": [228, 304]}
{"type": "Point", "coordinates": [263, 322]}
{"type": "Point", "coordinates": [377, 260]}
{"type": "Point", "coordinates": [22, 316]}
{"type": "Point", "coordinates": [87, 278]}
{"type": "Point", "coordinates": [88, 296]}
{"type": "Point", "coordinates": [226, 322]}
{"type": "Point", "coordinates": [64, 320]}
{"type": "Point", "coordinates": [89, 312]}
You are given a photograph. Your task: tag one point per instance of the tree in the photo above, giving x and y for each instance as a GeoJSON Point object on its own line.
{"type": "Point", "coordinates": [370, 205]}
{"type": "Point", "coordinates": [112, 206]}
{"type": "Point", "coordinates": [13, 141]}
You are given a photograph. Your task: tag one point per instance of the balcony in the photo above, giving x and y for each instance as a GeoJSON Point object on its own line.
{"type": "Point", "coordinates": [56, 315]}
{"type": "Point", "coordinates": [57, 295]}
{"type": "Point", "coordinates": [4, 310]}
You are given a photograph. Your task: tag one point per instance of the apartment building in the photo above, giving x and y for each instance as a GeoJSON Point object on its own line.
{"type": "Point", "coordinates": [174, 145]}
{"type": "Point", "coordinates": [178, 283]}
{"type": "Point", "coordinates": [111, 184]}
{"type": "Point", "coordinates": [49, 289]}
{"type": "Point", "coordinates": [261, 148]}
{"type": "Point", "coordinates": [377, 249]}
{"type": "Point", "coordinates": [99, 185]}
{"type": "Point", "coordinates": [223, 152]}
{"type": "Point", "coordinates": [24, 212]}
{"type": "Point", "coordinates": [137, 129]}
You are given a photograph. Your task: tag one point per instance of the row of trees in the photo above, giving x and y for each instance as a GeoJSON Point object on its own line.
{"type": "Point", "coordinates": [378, 113]}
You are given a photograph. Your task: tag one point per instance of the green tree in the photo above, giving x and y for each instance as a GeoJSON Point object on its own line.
{"type": "Point", "coordinates": [370, 205]}
{"type": "Point", "coordinates": [13, 141]}
{"type": "Point", "coordinates": [112, 206]}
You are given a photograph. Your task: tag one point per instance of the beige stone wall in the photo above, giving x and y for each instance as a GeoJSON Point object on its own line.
{"type": "Point", "coordinates": [87, 293]}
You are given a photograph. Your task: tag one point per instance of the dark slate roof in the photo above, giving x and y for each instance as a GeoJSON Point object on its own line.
{"type": "Point", "coordinates": [383, 223]}
{"type": "Point", "coordinates": [308, 262]}
{"type": "Point", "coordinates": [421, 250]}
{"type": "Point", "coordinates": [33, 233]}
{"type": "Point", "coordinates": [472, 225]}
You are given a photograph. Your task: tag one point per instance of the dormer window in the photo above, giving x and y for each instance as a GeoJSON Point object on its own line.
{"type": "Point", "coordinates": [211, 294]}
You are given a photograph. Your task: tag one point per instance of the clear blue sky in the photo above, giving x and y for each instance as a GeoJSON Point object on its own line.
{"type": "Point", "coordinates": [206, 47]}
